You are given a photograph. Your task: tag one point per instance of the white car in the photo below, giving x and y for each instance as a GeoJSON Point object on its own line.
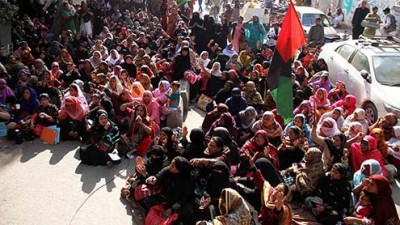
{"type": "Point", "coordinates": [370, 68]}
{"type": "Point", "coordinates": [307, 16]}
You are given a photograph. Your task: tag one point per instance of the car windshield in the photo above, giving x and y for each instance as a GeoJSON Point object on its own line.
{"type": "Point", "coordinates": [387, 69]}
{"type": "Point", "coordinates": [309, 20]}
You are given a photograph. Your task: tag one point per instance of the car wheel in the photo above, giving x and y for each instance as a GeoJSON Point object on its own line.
{"type": "Point", "coordinates": [371, 113]}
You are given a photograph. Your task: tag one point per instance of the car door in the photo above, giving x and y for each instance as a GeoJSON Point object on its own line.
{"type": "Point", "coordinates": [338, 62]}
{"type": "Point", "coordinates": [356, 84]}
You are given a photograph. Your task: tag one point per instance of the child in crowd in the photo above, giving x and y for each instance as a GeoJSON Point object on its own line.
{"type": "Point", "coordinates": [363, 207]}
{"type": "Point", "coordinates": [173, 101]}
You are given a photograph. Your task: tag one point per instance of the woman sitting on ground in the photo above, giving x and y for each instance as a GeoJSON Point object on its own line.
{"type": "Point", "coordinates": [104, 135]}
{"type": "Point", "coordinates": [72, 119]}
{"type": "Point", "coordinates": [138, 138]}
{"type": "Point", "coordinates": [45, 115]}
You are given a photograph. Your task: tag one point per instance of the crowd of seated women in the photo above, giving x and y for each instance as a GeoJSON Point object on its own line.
{"type": "Point", "coordinates": [112, 81]}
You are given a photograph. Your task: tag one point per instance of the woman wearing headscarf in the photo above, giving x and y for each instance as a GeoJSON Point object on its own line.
{"type": "Point", "coordinates": [357, 116]}
{"type": "Point", "coordinates": [104, 135]}
{"type": "Point", "coordinates": [307, 173]}
{"type": "Point", "coordinates": [260, 146]}
{"type": "Point", "coordinates": [293, 147]}
{"type": "Point", "coordinates": [28, 103]}
{"type": "Point", "coordinates": [320, 102]}
{"type": "Point", "coordinates": [368, 168]}
{"type": "Point", "coordinates": [178, 189]}
{"type": "Point", "coordinates": [146, 82]}
{"type": "Point", "coordinates": [215, 151]}
{"type": "Point", "coordinates": [252, 96]}
{"type": "Point", "coordinates": [300, 121]}
{"type": "Point", "coordinates": [114, 84]}
{"type": "Point", "coordinates": [181, 64]}
{"type": "Point", "coordinates": [224, 93]}
{"type": "Point", "coordinates": [247, 118]}
{"type": "Point", "coordinates": [377, 133]}
{"type": "Point", "coordinates": [245, 59]}
{"type": "Point", "coordinates": [328, 127]}
{"type": "Point", "coordinates": [196, 146]}
{"type": "Point", "coordinates": [233, 208]}
{"type": "Point", "coordinates": [236, 103]}
{"type": "Point", "coordinates": [332, 147]}
{"type": "Point", "coordinates": [339, 92]}
{"type": "Point", "coordinates": [386, 123]}
{"type": "Point", "coordinates": [138, 138]}
{"type": "Point", "coordinates": [137, 89]}
{"type": "Point", "coordinates": [75, 90]}
{"type": "Point", "coordinates": [275, 207]}
{"type": "Point", "coordinates": [225, 120]}
{"type": "Point", "coordinates": [213, 115]}
{"type": "Point", "coordinates": [125, 79]}
{"type": "Point", "coordinates": [305, 109]}
{"type": "Point", "coordinates": [363, 150]}
{"type": "Point", "coordinates": [348, 104]}
{"type": "Point", "coordinates": [5, 91]}
{"type": "Point", "coordinates": [95, 59]}
{"type": "Point", "coordinates": [336, 114]}
{"type": "Point", "coordinates": [354, 129]}
{"type": "Point", "coordinates": [64, 58]}
{"type": "Point", "coordinates": [223, 133]}
{"type": "Point", "coordinates": [271, 126]}
{"type": "Point", "coordinates": [144, 69]}
{"type": "Point", "coordinates": [255, 33]}
{"type": "Point", "coordinates": [114, 58]}
{"type": "Point", "coordinates": [234, 63]}
{"type": "Point", "coordinates": [161, 93]}
{"type": "Point", "coordinates": [216, 80]}
{"type": "Point", "coordinates": [383, 208]}
{"type": "Point", "coordinates": [72, 118]}
{"type": "Point", "coordinates": [394, 150]}
{"type": "Point", "coordinates": [169, 142]}
{"type": "Point", "coordinates": [332, 199]}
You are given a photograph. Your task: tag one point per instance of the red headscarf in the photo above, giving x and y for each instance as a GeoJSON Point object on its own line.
{"type": "Point", "coordinates": [357, 156]}
{"type": "Point", "coordinates": [384, 210]}
{"type": "Point", "coordinates": [73, 108]}
{"type": "Point", "coordinates": [252, 147]}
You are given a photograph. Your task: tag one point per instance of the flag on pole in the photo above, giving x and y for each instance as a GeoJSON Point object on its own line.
{"type": "Point", "coordinates": [289, 40]}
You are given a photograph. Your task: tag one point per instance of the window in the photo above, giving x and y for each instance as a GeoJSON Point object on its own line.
{"type": "Point", "coordinates": [309, 20]}
{"type": "Point", "coordinates": [360, 62]}
{"type": "Point", "coordinates": [345, 51]}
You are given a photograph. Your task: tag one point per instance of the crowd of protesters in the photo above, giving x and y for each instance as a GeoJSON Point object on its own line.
{"type": "Point", "coordinates": [109, 73]}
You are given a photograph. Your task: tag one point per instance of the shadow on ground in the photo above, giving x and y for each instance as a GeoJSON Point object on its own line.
{"type": "Point", "coordinates": [91, 175]}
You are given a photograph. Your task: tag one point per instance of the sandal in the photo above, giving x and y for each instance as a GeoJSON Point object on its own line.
{"type": "Point", "coordinates": [109, 163]}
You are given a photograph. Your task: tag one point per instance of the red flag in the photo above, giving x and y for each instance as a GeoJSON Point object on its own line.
{"type": "Point", "coordinates": [291, 36]}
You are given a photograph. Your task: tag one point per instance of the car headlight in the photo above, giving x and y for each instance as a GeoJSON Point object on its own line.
{"type": "Point", "coordinates": [392, 109]}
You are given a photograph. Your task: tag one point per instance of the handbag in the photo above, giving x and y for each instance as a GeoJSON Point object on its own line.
{"type": "Point", "coordinates": [155, 216]}
{"type": "Point", "coordinates": [143, 191]}
{"type": "Point", "coordinates": [58, 130]}
{"type": "Point", "coordinates": [203, 101]}
{"type": "Point", "coordinates": [103, 146]}
{"type": "Point", "coordinates": [48, 136]}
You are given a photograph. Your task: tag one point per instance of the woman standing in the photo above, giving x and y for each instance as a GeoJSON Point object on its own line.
{"type": "Point", "coordinates": [255, 33]}
{"type": "Point", "coordinates": [238, 35]}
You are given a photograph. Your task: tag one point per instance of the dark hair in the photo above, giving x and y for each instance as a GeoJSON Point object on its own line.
{"type": "Point", "coordinates": [44, 95]}
{"type": "Point", "coordinates": [176, 83]}
{"type": "Point", "coordinates": [218, 141]}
